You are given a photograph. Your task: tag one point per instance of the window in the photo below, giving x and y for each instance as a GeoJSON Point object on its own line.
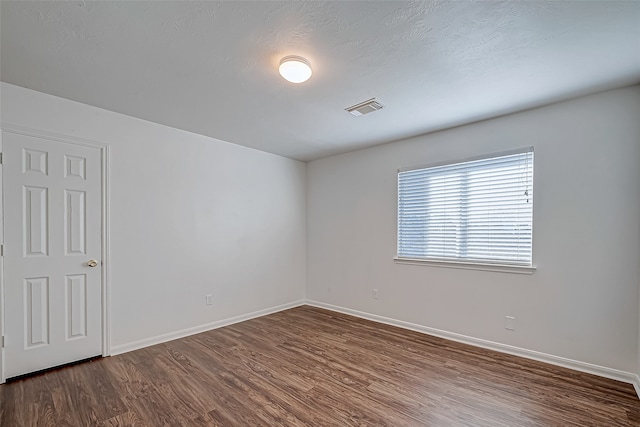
{"type": "Point", "coordinates": [477, 211]}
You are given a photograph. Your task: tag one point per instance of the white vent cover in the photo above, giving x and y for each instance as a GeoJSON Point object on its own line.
{"type": "Point", "coordinates": [365, 107]}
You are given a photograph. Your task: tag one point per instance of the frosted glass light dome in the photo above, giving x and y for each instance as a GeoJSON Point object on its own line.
{"type": "Point", "coordinates": [295, 69]}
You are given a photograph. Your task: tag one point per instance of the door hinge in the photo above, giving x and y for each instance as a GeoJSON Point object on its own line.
{"type": "Point", "coordinates": [3, 341]}
{"type": "Point", "coordinates": [1, 250]}
{"type": "Point", "coordinates": [0, 158]}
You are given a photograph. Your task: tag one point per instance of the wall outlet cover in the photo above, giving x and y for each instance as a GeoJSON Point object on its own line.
{"type": "Point", "coordinates": [510, 323]}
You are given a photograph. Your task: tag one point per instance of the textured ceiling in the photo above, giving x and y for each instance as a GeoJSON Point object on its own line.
{"type": "Point", "coordinates": [211, 67]}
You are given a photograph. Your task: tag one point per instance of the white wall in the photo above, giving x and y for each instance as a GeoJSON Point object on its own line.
{"type": "Point", "coordinates": [580, 304]}
{"type": "Point", "coordinates": [2, 379]}
{"type": "Point", "coordinates": [190, 215]}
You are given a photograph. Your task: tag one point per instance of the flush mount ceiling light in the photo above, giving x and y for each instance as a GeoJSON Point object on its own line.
{"type": "Point", "coordinates": [295, 69]}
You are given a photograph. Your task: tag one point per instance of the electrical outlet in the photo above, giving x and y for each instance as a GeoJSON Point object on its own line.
{"type": "Point", "coordinates": [209, 299]}
{"type": "Point", "coordinates": [510, 323]}
{"type": "Point", "coordinates": [374, 293]}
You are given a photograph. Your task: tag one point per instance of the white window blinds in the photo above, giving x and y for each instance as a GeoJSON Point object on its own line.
{"type": "Point", "coordinates": [474, 211]}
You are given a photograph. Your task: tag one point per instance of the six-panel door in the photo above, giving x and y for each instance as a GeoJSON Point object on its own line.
{"type": "Point", "coordinates": [53, 208]}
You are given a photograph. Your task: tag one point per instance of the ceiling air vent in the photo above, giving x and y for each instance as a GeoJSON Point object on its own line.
{"type": "Point", "coordinates": [365, 107]}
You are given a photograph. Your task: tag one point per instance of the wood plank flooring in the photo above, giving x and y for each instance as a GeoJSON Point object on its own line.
{"type": "Point", "coordinates": [312, 367]}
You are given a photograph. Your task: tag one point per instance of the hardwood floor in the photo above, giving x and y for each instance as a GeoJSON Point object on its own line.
{"type": "Point", "coordinates": [308, 366]}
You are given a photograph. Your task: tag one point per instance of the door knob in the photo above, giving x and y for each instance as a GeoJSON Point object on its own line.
{"type": "Point", "coordinates": [92, 262]}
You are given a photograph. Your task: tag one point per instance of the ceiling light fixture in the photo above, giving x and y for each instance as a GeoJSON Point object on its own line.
{"type": "Point", "coordinates": [295, 69]}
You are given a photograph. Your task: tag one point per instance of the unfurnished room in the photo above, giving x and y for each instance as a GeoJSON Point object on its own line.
{"type": "Point", "coordinates": [320, 213]}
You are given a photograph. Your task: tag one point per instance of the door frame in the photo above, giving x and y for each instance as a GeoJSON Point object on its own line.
{"type": "Point", "coordinates": [104, 149]}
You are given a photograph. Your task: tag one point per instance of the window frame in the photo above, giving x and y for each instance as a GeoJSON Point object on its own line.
{"type": "Point", "coordinates": [462, 263]}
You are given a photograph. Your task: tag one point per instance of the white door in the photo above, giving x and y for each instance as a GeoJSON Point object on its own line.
{"type": "Point", "coordinates": [53, 216]}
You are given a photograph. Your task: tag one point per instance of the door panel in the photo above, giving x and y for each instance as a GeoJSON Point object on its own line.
{"type": "Point", "coordinates": [76, 305]}
{"type": "Point", "coordinates": [36, 313]}
{"type": "Point", "coordinates": [53, 223]}
{"type": "Point", "coordinates": [36, 212]}
{"type": "Point", "coordinates": [74, 222]}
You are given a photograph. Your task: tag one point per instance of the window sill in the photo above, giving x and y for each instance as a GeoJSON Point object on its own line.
{"type": "Point", "coordinates": [501, 268]}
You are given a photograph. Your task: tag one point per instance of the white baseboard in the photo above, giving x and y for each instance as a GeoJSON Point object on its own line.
{"type": "Point", "coordinates": [636, 384]}
{"type": "Point", "coordinates": [124, 348]}
{"type": "Point", "coordinates": [576, 365]}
